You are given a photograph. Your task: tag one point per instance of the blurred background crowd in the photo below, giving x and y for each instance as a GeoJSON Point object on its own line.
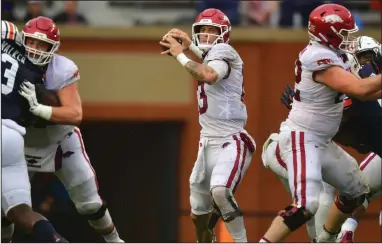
{"type": "Point", "coordinates": [284, 13]}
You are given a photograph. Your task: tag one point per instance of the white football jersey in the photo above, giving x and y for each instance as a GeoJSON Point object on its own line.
{"type": "Point", "coordinates": [222, 111]}
{"type": "Point", "coordinates": [317, 108]}
{"type": "Point", "coordinates": [61, 72]}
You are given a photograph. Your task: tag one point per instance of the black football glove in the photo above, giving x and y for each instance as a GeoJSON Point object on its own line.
{"type": "Point", "coordinates": [287, 97]}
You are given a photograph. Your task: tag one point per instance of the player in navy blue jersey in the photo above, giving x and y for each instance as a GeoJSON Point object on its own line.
{"type": "Point", "coordinates": [16, 204]}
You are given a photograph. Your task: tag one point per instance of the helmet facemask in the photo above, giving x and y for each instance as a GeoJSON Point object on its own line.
{"type": "Point", "coordinates": [348, 39]}
{"type": "Point", "coordinates": [36, 56]}
{"type": "Point", "coordinates": [207, 44]}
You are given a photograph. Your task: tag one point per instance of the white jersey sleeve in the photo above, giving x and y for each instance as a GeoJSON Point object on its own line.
{"type": "Point", "coordinates": [61, 72]}
{"type": "Point", "coordinates": [320, 59]}
{"type": "Point", "coordinates": [9, 31]}
{"type": "Point", "coordinates": [221, 68]}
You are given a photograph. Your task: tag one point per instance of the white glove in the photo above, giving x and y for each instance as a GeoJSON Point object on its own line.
{"type": "Point", "coordinates": [28, 91]}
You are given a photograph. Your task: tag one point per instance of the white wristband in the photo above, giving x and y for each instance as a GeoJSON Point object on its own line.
{"type": "Point", "coordinates": [44, 111]}
{"type": "Point", "coordinates": [182, 59]}
{"type": "Point", "coordinates": [196, 50]}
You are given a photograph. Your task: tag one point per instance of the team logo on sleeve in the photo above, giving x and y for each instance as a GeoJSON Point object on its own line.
{"type": "Point", "coordinates": [324, 61]}
{"type": "Point", "coordinates": [76, 74]}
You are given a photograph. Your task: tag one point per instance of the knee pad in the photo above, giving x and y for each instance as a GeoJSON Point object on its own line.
{"type": "Point", "coordinates": [294, 217]}
{"type": "Point", "coordinates": [226, 203]}
{"type": "Point", "coordinates": [86, 198]}
{"type": "Point", "coordinates": [200, 203]}
{"type": "Point", "coordinates": [92, 210]}
{"type": "Point", "coordinates": [347, 205]}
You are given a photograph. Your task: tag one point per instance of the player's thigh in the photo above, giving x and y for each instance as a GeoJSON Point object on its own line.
{"type": "Point", "coordinates": [232, 162]}
{"type": "Point", "coordinates": [14, 175]}
{"type": "Point", "coordinates": [301, 154]}
{"type": "Point", "coordinates": [201, 172]}
{"type": "Point", "coordinates": [342, 171]}
{"type": "Point", "coordinates": [12, 147]}
{"type": "Point", "coordinates": [272, 159]}
{"type": "Point", "coordinates": [76, 167]}
{"type": "Point", "coordinates": [43, 159]}
{"type": "Point", "coordinates": [371, 167]}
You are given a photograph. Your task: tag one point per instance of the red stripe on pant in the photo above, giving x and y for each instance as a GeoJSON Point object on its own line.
{"type": "Point", "coordinates": [302, 198]}
{"type": "Point", "coordinates": [294, 152]}
{"type": "Point", "coordinates": [303, 169]}
{"type": "Point", "coordinates": [367, 160]}
{"type": "Point", "coordinates": [241, 167]}
{"type": "Point", "coordinates": [236, 165]}
{"type": "Point", "coordinates": [78, 133]}
{"type": "Point", "coordinates": [279, 159]}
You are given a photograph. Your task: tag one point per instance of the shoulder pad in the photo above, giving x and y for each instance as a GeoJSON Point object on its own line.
{"type": "Point", "coordinates": [222, 51]}
{"type": "Point", "coordinates": [317, 58]}
{"type": "Point", "coordinates": [61, 72]}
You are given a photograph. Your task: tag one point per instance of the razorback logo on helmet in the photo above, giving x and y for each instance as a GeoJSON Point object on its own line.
{"type": "Point", "coordinates": [324, 61]}
{"type": "Point", "coordinates": [333, 18]}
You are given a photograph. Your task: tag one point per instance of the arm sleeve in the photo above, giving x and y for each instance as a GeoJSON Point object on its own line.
{"type": "Point", "coordinates": [221, 67]}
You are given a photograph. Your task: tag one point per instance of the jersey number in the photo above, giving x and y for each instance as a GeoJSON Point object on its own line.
{"type": "Point", "coordinates": [202, 99]}
{"type": "Point", "coordinates": [298, 71]}
{"type": "Point", "coordinates": [9, 70]}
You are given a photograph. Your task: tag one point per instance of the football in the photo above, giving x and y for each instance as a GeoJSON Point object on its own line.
{"type": "Point", "coordinates": [47, 97]}
{"type": "Point", "coordinates": [165, 48]}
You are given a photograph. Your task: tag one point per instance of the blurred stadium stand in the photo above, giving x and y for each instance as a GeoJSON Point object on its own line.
{"type": "Point", "coordinates": [128, 13]}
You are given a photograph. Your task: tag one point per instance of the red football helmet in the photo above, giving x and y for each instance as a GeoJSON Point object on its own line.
{"type": "Point", "coordinates": [332, 25]}
{"type": "Point", "coordinates": [43, 29]}
{"type": "Point", "coordinates": [211, 17]}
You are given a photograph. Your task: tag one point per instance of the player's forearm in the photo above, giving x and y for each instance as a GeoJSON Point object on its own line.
{"type": "Point", "coordinates": [374, 96]}
{"type": "Point", "coordinates": [201, 72]}
{"type": "Point", "coordinates": [66, 115]}
{"type": "Point", "coordinates": [370, 87]}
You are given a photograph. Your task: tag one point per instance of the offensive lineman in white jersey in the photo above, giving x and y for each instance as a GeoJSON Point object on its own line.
{"type": "Point", "coordinates": [58, 147]}
{"type": "Point", "coordinates": [225, 148]}
{"type": "Point", "coordinates": [364, 115]}
{"type": "Point", "coordinates": [305, 140]}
